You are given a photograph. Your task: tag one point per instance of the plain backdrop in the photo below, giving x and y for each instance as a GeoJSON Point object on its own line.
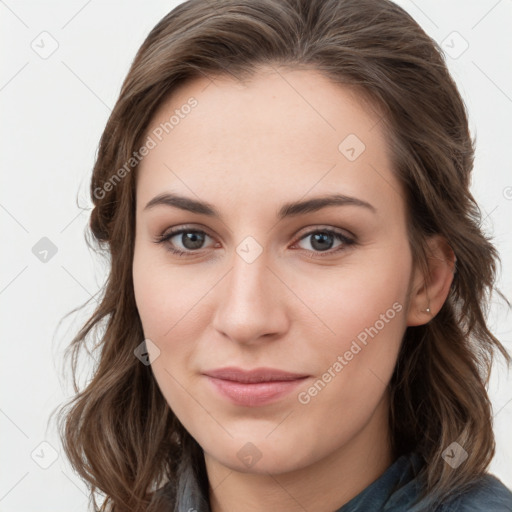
{"type": "Point", "coordinates": [61, 71]}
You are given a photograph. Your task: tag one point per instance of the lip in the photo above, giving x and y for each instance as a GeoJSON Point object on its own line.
{"type": "Point", "coordinates": [256, 387]}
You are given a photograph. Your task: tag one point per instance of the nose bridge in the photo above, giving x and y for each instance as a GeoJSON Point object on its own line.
{"type": "Point", "coordinates": [248, 305]}
{"type": "Point", "coordinates": [250, 275]}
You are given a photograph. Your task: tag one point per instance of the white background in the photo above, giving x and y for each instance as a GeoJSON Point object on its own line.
{"type": "Point", "coordinates": [53, 112]}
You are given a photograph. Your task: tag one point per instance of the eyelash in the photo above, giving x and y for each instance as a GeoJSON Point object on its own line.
{"type": "Point", "coordinates": [346, 241]}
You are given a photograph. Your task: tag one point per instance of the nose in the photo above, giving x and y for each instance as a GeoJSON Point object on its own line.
{"type": "Point", "coordinates": [251, 303]}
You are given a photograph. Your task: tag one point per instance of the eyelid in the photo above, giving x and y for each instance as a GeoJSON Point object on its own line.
{"type": "Point", "coordinates": [170, 232]}
{"type": "Point", "coordinates": [307, 230]}
{"type": "Point", "coordinates": [313, 228]}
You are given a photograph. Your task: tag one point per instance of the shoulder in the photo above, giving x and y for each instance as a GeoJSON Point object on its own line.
{"type": "Point", "coordinates": [487, 494]}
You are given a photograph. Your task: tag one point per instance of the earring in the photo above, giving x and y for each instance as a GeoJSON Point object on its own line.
{"type": "Point", "coordinates": [427, 310]}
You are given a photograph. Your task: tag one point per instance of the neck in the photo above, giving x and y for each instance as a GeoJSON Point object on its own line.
{"type": "Point", "coordinates": [323, 486]}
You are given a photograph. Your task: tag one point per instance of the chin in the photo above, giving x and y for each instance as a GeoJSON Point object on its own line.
{"type": "Point", "coordinates": [260, 456]}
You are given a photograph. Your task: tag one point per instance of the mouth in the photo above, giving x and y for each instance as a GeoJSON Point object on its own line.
{"type": "Point", "coordinates": [255, 387]}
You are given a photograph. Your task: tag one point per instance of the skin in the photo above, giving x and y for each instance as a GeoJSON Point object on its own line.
{"type": "Point", "coordinates": [248, 148]}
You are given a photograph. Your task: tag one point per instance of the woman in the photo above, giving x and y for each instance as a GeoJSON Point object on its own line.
{"type": "Point", "coordinates": [294, 315]}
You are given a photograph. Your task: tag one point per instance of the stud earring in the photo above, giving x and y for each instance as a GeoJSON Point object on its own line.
{"type": "Point", "coordinates": [427, 310]}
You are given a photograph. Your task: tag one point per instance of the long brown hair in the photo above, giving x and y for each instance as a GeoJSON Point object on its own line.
{"type": "Point", "coordinates": [118, 431]}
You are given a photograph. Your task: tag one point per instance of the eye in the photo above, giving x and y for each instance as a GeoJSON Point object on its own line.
{"type": "Point", "coordinates": [322, 241]}
{"type": "Point", "coordinates": [187, 240]}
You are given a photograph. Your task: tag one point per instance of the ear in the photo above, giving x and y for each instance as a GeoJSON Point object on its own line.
{"type": "Point", "coordinates": [430, 291]}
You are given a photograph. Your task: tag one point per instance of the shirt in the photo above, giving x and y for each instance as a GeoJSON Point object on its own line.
{"type": "Point", "coordinates": [398, 488]}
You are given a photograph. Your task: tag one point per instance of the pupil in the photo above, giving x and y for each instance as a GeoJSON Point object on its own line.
{"type": "Point", "coordinates": [321, 237]}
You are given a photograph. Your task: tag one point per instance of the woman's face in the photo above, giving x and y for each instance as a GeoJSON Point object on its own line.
{"type": "Point", "coordinates": [318, 290]}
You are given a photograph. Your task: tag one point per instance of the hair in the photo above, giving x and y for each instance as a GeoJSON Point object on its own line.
{"type": "Point", "coordinates": [119, 432]}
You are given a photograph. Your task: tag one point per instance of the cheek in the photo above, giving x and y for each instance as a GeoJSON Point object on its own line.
{"type": "Point", "coordinates": [354, 297]}
{"type": "Point", "coordinates": [168, 297]}
{"type": "Point", "coordinates": [360, 300]}
{"type": "Point", "coordinates": [168, 302]}
{"type": "Point", "coordinates": [364, 308]}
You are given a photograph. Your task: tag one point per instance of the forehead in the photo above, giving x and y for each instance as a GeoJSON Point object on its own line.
{"type": "Point", "coordinates": [282, 132]}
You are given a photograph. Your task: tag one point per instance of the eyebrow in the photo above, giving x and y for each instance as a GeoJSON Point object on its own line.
{"type": "Point", "coordinates": [287, 210]}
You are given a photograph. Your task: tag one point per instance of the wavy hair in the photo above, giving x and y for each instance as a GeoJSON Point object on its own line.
{"type": "Point", "coordinates": [118, 432]}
